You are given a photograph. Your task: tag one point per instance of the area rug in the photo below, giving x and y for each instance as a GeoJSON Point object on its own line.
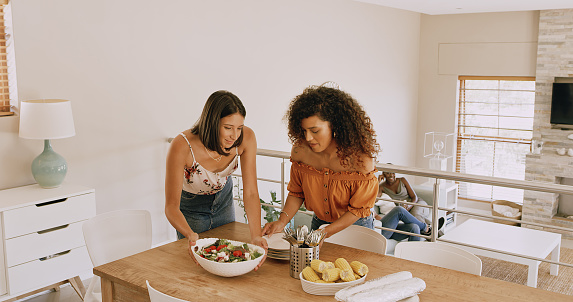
{"type": "Point", "coordinates": [517, 273]}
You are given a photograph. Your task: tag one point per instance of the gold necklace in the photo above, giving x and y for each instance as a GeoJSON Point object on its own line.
{"type": "Point", "coordinates": [211, 156]}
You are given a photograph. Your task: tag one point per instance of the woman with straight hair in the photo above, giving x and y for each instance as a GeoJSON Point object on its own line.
{"type": "Point", "coordinates": [198, 182]}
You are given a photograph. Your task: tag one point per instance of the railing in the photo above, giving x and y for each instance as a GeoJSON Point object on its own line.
{"type": "Point", "coordinates": [284, 156]}
{"type": "Point", "coordinates": [439, 176]}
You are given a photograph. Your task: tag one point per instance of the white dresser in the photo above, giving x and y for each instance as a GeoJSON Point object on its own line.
{"type": "Point", "coordinates": [42, 241]}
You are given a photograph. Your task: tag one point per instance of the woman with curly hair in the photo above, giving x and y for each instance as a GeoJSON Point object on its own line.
{"type": "Point", "coordinates": [333, 168]}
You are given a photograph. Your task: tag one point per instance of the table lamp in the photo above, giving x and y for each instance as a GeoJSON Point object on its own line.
{"type": "Point", "coordinates": [47, 119]}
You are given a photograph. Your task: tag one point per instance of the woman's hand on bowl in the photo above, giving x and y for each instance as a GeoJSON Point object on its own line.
{"type": "Point", "coordinates": [192, 240]}
{"type": "Point", "coordinates": [260, 241]}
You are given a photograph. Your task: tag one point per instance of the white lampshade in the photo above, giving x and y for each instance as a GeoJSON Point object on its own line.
{"type": "Point", "coordinates": [46, 119]}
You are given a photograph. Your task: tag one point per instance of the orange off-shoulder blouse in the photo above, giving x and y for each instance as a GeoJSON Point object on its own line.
{"type": "Point", "coordinates": [331, 194]}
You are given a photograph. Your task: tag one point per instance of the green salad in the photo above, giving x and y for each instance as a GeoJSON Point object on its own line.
{"type": "Point", "coordinates": [224, 251]}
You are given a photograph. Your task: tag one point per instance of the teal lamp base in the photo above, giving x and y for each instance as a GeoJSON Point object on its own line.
{"type": "Point", "coordinates": [49, 168]}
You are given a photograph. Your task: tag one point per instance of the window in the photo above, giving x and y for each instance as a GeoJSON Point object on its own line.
{"type": "Point", "coordinates": [7, 74]}
{"type": "Point", "coordinates": [495, 127]}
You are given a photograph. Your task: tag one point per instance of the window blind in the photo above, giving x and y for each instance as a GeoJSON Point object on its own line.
{"type": "Point", "coordinates": [495, 127]}
{"type": "Point", "coordinates": [4, 83]}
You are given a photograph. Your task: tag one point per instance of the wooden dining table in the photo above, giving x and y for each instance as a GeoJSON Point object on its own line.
{"type": "Point", "coordinates": [170, 269]}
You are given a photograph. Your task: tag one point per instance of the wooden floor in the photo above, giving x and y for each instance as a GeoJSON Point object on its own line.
{"type": "Point", "coordinates": [66, 294]}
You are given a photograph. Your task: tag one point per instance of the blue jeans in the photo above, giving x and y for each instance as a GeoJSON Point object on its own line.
{"type": "Point", "coordinates": [205, 212]}
{"type": "Point", "coordinates": [411, 224]}
{"type": "Point", "coordinates": [365, 222]}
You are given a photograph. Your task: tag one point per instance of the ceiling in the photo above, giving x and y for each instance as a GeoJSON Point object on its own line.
{"type": "Point", "coordinates": [444, 7]}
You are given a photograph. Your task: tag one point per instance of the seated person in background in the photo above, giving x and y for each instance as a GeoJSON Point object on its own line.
{"type": "Point", "coordinates": [400, 189]}
{"type": "Point", "coordinates": [416, 219]}
{"type": "Point", "coordinates": [332, 169]}
{"type": "Point", "coordinates": [410, 224]}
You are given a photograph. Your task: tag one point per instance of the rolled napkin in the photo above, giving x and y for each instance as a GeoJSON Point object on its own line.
{"type": "Point", "coordinates": [390, 292]}
{"type": "Point", "coordinates": [345, 293]}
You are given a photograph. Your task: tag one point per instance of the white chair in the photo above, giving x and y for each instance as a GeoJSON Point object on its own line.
{"type": "Point", "coordinates": [157, 296]}
{"type": "Point", "coordinates": [112, 236]}
{"type": "Point", "coordinates": [439, 254]}
{"type": "Point", "coordinates": [361, 238]}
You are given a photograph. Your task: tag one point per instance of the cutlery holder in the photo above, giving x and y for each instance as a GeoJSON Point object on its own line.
{"type": "Point", "coordinates": [301, 257]}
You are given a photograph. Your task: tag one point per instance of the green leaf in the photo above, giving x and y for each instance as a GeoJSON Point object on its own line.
{"type": "Point", "coordinates": [255, 255]}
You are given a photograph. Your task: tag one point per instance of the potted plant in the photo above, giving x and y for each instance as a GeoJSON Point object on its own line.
{"type": "Point", "coordinates": [273, 213]}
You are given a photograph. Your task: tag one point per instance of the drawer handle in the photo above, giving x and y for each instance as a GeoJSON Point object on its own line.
{"type": "Point", "coordinates": [54, 255]}
{"type": "Point", "coordinates": [53, 229]}
{"type": "Point", "coordinates": [47, 203]}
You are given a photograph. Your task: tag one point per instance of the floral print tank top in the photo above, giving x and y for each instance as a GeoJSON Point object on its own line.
{"type": "Point", "coordinates": [198, 180]}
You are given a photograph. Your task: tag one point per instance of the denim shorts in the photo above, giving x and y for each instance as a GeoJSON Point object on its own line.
{"type": "Point", "coordinates": [365, 222]}
{"type": "Point", "coordinates": [205, 212]}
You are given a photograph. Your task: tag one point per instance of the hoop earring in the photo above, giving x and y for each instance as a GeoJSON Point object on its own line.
{"type": "Point", "coordinates": [334, 134]}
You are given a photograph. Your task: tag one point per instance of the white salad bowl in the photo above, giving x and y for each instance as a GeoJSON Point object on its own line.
{"type": "Point", "coordinates": [227, 269]}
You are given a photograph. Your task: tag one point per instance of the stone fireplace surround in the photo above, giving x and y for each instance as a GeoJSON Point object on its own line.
{"type": "Point", "coordinates": [554, 64]}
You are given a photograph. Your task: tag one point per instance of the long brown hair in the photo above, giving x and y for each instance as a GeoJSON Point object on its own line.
{"type": "Point", "coordinates": [219, 105]}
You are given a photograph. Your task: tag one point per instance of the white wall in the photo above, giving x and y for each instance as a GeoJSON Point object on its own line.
{"type": "Point", "coordinates": [138, 72]}
{"type": "Point", "coordinates": [486, 44]}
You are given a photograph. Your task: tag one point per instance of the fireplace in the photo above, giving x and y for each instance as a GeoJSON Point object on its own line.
{"type": "Point", "coordinates": [554, 64]}
{"type": "Point", "coordinates": [565, 205]}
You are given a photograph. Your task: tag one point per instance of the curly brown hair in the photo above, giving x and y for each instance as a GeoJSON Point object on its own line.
{"type": "Point", "coordinates": [352, 128]}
